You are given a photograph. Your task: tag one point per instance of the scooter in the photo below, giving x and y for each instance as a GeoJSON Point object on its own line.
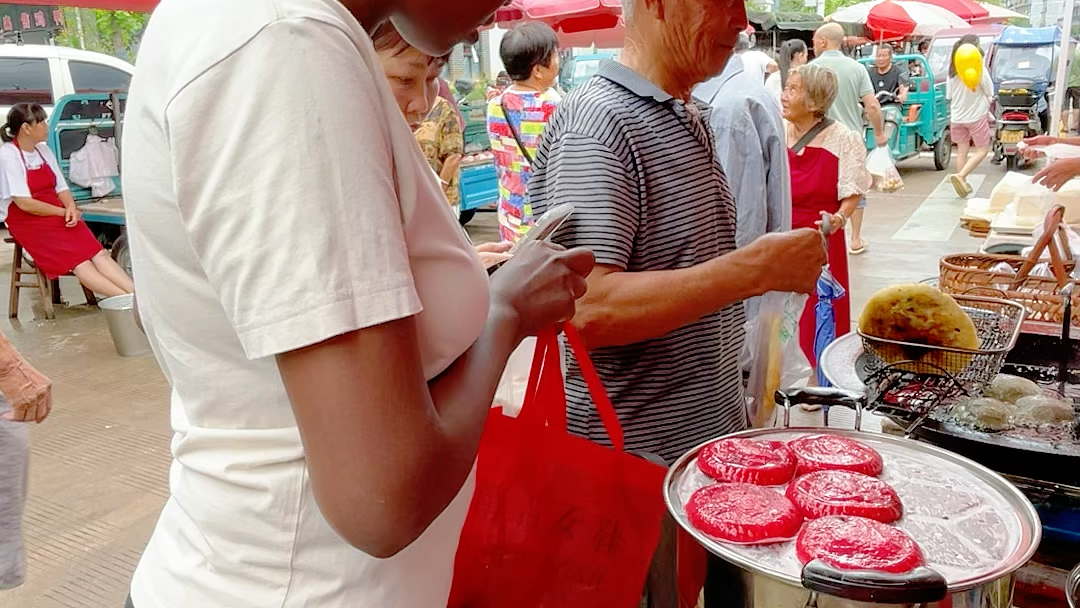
{"type": "Point", "coordinates": [1017, 118]}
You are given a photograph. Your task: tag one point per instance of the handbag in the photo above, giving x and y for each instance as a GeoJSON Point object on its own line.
{"type": "Point", "coordinates": [557, 521]}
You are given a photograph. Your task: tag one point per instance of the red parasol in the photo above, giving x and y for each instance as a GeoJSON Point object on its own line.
{"type": "Point", "coordinates": [968, 10]}
{"type": "Point", "coordinates": [570, 16]}
{"type": "Point", "coordinates": [144, 6]}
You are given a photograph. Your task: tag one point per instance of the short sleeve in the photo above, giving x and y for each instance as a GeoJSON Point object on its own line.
{"type": "Point", "coordinates": [50, 158]}
{"type": "Point", "coordinates": [451, 140]}
{"type": "Point", "coordinates": [288, 195]}
{"type": "Point", "coordinates": [854, 179]}
{"type": "Point", "coordinates": [581, 170]}
{"type": "Point", "coordinates": [866, 86]}
{"type": "Point", "coordinates": [14, 184]}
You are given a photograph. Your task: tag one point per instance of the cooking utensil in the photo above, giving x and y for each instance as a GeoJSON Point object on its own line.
{"type": "Point", "coordinates": [997, 322]}
{"type": "Point", "coordinates": [1072, 588]}
{"type": "Point", "coordinates": [1011, 453]}
{"type": "Point", "coordinates": [975, 528]}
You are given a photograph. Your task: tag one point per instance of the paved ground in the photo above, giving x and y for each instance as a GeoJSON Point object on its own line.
{"type": "Point", "coordinates": [100, 462]}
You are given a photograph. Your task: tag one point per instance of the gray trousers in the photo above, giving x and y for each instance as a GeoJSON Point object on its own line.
{"type": "Point", "coordinates": [128, 603]}
{"type": "Point", "coordinates": [14, 472]}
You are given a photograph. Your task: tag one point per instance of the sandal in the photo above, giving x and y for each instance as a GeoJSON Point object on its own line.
{"type": "Point", "coordinates": [960, 185]}
{"type": "Point", "coordinates": [858, 249]}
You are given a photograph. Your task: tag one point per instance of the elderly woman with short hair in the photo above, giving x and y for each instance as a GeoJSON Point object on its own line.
{"type": "Point", "coordinates": [828, 175]}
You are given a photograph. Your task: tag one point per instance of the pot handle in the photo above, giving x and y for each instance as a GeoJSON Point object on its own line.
{"type": "Point", "coordinates": [825, 397]}
{"type": "Point", "coordinates": [920, 586]}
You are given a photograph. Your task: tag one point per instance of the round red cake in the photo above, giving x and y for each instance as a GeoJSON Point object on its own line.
{"type": "Point", "coordinates": [763, 463]}
{"type": "Point", "coordinates": [857, 543]}
{"type": "Point", "coordinates": [834, 453]}
{"type": "Point", "coordinates": [825, 493]}
{"type": "Point", "coordinates": [743, 513]}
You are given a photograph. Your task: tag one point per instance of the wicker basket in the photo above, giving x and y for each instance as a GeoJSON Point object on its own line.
{"type": "Point", "coordinates": [969, 274]}
{"type": "Point", "coordinates": [997, 322]}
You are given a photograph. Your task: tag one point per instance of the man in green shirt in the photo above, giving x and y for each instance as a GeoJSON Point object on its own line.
{"type": "Point", "coordinates": [854, 95]}
{"type": "Point", "coordinates": [1072, 94]}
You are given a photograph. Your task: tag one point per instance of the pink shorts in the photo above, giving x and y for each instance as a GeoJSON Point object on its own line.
{"type": "Point", "coordinates": [978, 133]}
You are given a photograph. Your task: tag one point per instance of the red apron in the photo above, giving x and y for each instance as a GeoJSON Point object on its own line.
{"type": "Point", "coordinates": [814, 176]}
{"type": "Point", "coordinates": [55, 248]}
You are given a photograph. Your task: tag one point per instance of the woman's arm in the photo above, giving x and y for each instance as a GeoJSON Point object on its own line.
{"type": "Point", "coordinates": [450, 168]}
{"type": "Point", "coordinates": [36, 207]}
{"type": "Point", "coordinates": [394, 450]}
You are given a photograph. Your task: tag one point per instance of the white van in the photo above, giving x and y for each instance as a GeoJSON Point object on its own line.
{"type": "Point", "coordinates": [41, 74]}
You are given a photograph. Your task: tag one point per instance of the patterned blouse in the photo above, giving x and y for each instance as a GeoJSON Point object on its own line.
{"type": "Point", "coordinates": [529, 113]}
{"type": "Point", "coordinates": [440, 137]}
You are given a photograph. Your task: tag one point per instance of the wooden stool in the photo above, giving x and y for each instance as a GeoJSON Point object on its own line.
{"type": "Point", "coordinates": [48, 291]}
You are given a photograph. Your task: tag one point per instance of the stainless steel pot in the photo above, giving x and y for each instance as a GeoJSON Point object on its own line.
{"type": "Point", "coordinates": [975, 528]}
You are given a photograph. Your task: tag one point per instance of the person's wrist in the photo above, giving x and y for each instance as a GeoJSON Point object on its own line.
{"type": "Point", "coordinates": [505, 322]}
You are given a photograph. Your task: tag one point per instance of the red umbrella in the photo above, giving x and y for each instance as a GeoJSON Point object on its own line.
{"type": "Point", "coordinates": [567, 15]}
{"type": "Point", "coordinates": [968, 10]}
{"type": "Point", "coordinates": [116, 5]}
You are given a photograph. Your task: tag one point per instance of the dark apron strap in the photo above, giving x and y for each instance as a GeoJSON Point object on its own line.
{"type": "Point", "coordinates": [513, 130]}
{"type": "Point", "coordinates": [811, 134]}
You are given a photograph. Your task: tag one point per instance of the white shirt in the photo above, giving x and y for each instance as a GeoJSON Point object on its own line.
{"type": "Point", "coordinates": [13, 173]}
{"type": "Point", "coordinates": [276, 198]}
{"type": "Point", "coordinates": [756, 62]}
{"type": "Point", "coordinates": [967, 106]}
{"type": "Point", "coordinates": [775, 86]}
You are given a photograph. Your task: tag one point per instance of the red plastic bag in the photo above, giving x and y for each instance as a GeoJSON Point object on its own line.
{"type": "Point", "coordinates": [557, 521]}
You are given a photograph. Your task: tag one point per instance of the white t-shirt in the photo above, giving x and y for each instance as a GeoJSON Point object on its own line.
{"type": "Point", "coordinates": [13, 173]}
{"type": "Point", "coordinates": [967, 106]}
{"type": "Point", "coordinates": [775, 86]}
{"type": "Point", "coordinates": [276, 198]}
{"type": "Point", "coordinates": [756, 61]}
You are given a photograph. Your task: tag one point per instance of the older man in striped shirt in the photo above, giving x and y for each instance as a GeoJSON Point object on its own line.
{"type": "Point", "coordinates": [634, 154]}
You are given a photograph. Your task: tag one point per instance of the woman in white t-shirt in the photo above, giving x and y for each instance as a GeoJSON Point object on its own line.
{"type": "Point", "coordinates": [970, 119]}
{"type": "Point", "coordinates": [331, 338]}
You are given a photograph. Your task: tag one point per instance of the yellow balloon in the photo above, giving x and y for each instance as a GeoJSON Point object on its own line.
{"type": "Point", "coordinates": [969, 65]}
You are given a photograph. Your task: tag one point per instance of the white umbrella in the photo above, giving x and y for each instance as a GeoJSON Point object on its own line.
{"type": "Point", "coordinates": [918, 18]}
{"type": "Point", "coordinates": [1000, 13]}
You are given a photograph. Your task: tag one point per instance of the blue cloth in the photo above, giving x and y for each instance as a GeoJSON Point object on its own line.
{"type": "Point", "coordinates": [828, 290]}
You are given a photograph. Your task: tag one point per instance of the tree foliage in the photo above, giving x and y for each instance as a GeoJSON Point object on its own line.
{"type": "Point", "coordinates": [111, 32]}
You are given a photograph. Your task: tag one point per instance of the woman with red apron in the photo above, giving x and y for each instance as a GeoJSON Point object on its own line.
{"type": "Point", "coordinates": [828, 174]}
{"type": "Point", "coordinates": [41, 214]}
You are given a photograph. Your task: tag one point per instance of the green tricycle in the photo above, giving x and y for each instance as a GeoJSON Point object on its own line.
{"type": "Point", "coordinates": [921, 122]}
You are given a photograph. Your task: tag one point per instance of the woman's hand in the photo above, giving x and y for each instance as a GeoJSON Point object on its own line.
{"type": "Point", "coordinates": [1038, 140]}
{"type": "Point", "coordinates": [72, 215]}
{"type": "Point", "coordinates": [836, 223]}
{"type": "Point", "coordinates": [494, 253]}
{"type": "Point", "coordinates": [540, 285]}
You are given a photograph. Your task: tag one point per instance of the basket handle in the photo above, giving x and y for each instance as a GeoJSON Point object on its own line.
{"type": "Point", "coordinates": [1056, 240]}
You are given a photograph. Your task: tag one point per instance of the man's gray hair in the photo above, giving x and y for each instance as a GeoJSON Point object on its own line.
{"type": "Point", "coordinates": [742, 43]}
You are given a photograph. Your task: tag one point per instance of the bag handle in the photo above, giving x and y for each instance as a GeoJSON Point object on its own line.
{"type": "Point", "coordinates": [1056, 240]}
{"type": "Point", "coordinates": [545, 397]}
{"type": "Point", "coordinates": [513, 130]}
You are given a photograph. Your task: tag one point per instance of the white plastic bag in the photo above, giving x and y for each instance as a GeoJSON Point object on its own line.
{"type": "Point", "coordinates": [1074, 243]}
{"type": "Point", "coordinates": [510, 394]}
{"type": "Point", "coordinates": [881, 166]}
{"type": "Point", "coordinates": [14, 471]}
{"type": "Point", "coordinates": [777, 360]}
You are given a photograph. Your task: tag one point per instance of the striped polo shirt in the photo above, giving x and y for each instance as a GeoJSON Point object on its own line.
{"type": "Point", "coordinates": [640, 169]}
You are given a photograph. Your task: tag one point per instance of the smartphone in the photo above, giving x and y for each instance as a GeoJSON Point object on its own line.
{"type": "Point", "coordinates": [547, 225]}
{"type": "Point", "coordinates": [545, 228]}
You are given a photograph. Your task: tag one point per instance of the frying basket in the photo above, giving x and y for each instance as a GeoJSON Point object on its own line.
{"type": "Point", "coordinates": [1072, 588]}
{"type": "Point", "coordinates": [997, 322]}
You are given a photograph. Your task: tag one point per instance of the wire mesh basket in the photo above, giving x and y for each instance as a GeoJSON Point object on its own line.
{"type": "Point", "coordinates": [997, 322]}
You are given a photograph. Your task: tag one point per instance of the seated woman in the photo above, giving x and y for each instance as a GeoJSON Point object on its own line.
{"type": "Point", "coordinates": [41, 213]}
{"type": "Point", "coordinates": [828, 173]}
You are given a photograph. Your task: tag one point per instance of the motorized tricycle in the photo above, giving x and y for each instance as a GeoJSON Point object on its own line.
{"type": "Point", "coordinates": [1021, 65]}
{"type": "Point", "coordinates": [919, 122]}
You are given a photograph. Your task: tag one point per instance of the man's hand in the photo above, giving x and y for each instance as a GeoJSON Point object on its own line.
{"type": "Point", "coordinates": [32, 404]}
{"type": "Point", "coordinates": [794, 259]}
{"type": "Point", "coordinates": [1057, 173]}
